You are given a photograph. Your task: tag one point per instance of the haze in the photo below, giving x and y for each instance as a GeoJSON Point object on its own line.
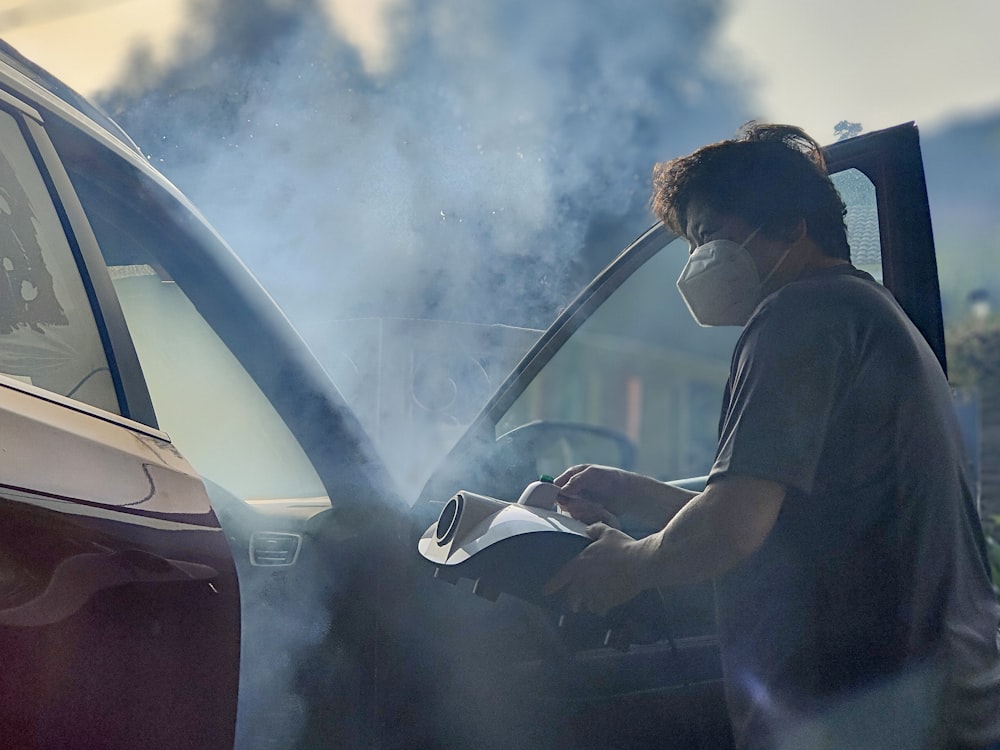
{"type": "Point", "coordinates": [812, 63]}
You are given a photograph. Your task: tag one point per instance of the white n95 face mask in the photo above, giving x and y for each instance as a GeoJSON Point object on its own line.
{"type": "Point", "coordinates": [720, 283]}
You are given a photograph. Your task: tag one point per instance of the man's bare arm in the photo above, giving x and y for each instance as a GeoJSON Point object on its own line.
{"type": "Point", "coordinates": [711, 533]}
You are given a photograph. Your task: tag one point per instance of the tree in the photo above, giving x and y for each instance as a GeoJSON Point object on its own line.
{"type": "Point", "coordinates": [846, 129]}
{"type": "Point", "coordinates": [974, 367]}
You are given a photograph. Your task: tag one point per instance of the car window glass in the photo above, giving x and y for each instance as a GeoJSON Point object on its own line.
{"type": "Point", "coordinates": [640, 367]}
{"type": "Point", "coordinates": [204, 399]}
{"type": "Point", "coordinates": [645, 374]}
{"type": "Point", "coordinates": [416, 385]}
{"type": "Point", "coordinates": [48, 334]}
{"type": "Point", "coordinates": [858, 193]}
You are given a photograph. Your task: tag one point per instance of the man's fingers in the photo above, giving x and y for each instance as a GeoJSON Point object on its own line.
{"type": "Point", "coordinates": [566, 476]}
{"type": "Point", "coordinates": [574, 487]}
{"type": "Point", "coordinates": [583, 510]}
{"type": "Point", "coordinates": [585, 480]}
{"type": "Point", "coordinates": [596, 530]}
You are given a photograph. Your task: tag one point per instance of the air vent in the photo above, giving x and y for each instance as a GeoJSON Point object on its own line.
{"type": "Point", "coordinates": [274, 548]}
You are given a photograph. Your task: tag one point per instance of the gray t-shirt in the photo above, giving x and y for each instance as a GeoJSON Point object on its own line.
{"type": "Point", "coordinates": [868, 611]}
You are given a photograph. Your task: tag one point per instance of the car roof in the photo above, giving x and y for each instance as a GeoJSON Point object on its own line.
{"type": "Point", "coordinates": [40, 89]}
{"type": "Point", "coordinates": [62, 93]}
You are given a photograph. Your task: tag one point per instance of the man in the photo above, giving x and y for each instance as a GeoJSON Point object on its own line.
{"type": "Point", "coordinates": [854, 602]}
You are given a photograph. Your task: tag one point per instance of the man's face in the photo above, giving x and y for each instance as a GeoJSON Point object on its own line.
{"type": "Point", "coordinates": [704, 224]}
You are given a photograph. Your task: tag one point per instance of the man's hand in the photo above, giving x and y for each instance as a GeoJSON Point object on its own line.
{"type": "Point", "coordinates": [600, 494]}
{"type": "Point", "coordinates": [593, 494]}
{"type": "Point", "coordinates": [605, 574]}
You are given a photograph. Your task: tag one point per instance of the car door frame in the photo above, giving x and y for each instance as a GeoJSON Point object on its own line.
{"type": "Point", "coordinates": [892, 160]}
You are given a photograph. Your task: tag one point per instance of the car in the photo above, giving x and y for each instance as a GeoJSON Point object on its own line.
{"type": "Point", "coordinates": [200, 544]}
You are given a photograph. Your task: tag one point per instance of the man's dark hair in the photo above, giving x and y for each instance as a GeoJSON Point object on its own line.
{"type": "Point", "coordinates": [768, 175]}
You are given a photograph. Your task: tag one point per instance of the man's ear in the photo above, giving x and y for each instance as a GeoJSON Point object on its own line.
{"type": "Point", "coordinates": [792, 230]}
{"type": "Point", "coordinates": [788, 230]}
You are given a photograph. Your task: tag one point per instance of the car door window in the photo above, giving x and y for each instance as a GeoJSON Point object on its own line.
{"type": "Point", "coordinates": [204, 398]}
{"type": "Point", "coordinates": [858, 193]}
{"type": "Point", "coordinates": [48, 334]}
{"type": "Point", "coordinates": [641, 369]}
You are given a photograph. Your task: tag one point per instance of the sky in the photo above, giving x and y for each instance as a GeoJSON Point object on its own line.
{"type": "Point", "coordinates": [809, 62]}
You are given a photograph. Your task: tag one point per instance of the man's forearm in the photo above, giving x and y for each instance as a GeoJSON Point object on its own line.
{"type": "Point", "coordinates": [655, 503]}
{"type": "Point", "coordinates": [711, 533]}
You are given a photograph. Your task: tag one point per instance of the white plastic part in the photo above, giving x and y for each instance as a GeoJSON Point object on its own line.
{"type": "Point", "coordinates": [539, 495]}
{"type": "Point", "coordinates": [470, 523]}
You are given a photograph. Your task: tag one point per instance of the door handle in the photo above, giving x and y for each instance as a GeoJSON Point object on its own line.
{"type": "Point", "coordinates": [78, 578]}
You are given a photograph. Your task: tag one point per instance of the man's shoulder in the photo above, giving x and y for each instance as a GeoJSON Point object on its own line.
{"type": "Point", "coordinates": [832, 283]}
{"type": "Point", "coordinates": [834, 296]}
{"type": "Point", "coordinates": [823, 317]}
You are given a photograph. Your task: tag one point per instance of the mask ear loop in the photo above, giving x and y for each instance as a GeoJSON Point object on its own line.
{"type": "Point", "coordinates": [752, 234]}
{"type": "Point", "coordinates": [775, 267]}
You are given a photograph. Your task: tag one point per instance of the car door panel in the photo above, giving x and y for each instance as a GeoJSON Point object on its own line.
{"type": "Point", "coordinates": [111, 561]}
{"type": "Point", "coordinates": [139, 467]}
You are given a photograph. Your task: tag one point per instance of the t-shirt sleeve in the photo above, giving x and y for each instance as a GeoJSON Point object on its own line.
{"type": "Point", "coordinates": [787, 372]}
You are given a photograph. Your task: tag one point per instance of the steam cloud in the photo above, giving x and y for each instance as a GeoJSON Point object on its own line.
{"type": "Point", "coordinates": [491, 171]}
{"type": "Point", "coordinates": [465, 183]}
{"type": "Point", "coordinates": [483, 178]}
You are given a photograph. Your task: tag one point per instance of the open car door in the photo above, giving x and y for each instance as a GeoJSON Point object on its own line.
{"type": "Point", "coordinates": [625, 377]}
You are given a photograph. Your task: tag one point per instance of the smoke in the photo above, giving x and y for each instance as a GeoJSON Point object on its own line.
{"type": "Point", "coordinates": [480, 179]}
{"type": "Point", "coordinates": [459, 184]}
{"type": "Point", "coordinates": [483, 177]}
